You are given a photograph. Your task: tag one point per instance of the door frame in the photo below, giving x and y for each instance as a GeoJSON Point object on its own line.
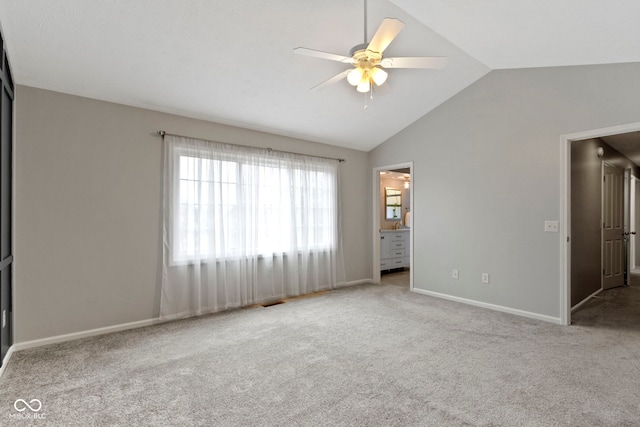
{"type": "Point", "coordinates": [375, 229]}
{"type": "Point", "coordinates": [7, 167]}
{"type": "Point", "coordinates": [565, 207]}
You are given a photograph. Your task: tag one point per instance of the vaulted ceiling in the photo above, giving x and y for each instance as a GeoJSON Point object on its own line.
{"type": "Point", "coordinates": [232, 62]}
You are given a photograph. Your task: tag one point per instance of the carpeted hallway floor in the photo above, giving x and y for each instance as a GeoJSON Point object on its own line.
{"type": "Point", "coordinates": [363, 355]}
{"type": "Point", "coordinates": [615, 309]}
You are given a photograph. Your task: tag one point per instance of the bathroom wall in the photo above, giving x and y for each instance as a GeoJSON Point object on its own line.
{"type": "Point", "coordinates": [388, 181]}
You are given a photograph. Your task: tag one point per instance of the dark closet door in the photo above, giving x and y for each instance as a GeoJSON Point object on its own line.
{"type": "Point", "coordinates": [6, 179]}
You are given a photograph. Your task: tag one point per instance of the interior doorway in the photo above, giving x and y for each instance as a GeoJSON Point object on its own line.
{"type": "Point", "coordinates": [393, 219]}
{"type": "Point", "coordinates": [588, 212]}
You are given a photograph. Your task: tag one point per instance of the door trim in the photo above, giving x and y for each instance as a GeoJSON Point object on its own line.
{"type": "Point", "coordinates": [375, 229]}
{"type": "Point", "coordinates": [565, 208]}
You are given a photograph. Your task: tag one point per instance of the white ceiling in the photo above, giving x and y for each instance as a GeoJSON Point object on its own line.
{"type": "Point", "coordinates": [232, 62]}
{"type": "Point", "coordinates": [535, 33]}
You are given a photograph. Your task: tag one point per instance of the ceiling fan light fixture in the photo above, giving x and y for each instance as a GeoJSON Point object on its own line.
{"type": "Point", "coordinates": [355, 76]}
{"type": "Point", "coordinates": [368, 60]}
{"type": "Point", "coordinates": [379, 76]}
{"type": "Point", "coordinates": [364, 86]}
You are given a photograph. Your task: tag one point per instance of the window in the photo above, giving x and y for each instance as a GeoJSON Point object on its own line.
{"type": "Point", "coordinates": [243, 225]}
{"type": "Point", "coordinates": [244, 204]}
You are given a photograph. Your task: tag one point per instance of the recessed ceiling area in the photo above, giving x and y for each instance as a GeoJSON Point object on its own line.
{"type": "Point", "coordinates": [232, 62]}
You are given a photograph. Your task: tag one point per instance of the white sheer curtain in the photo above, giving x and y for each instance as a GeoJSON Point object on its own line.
{"type": "Point", "coordinates": [245, 225]}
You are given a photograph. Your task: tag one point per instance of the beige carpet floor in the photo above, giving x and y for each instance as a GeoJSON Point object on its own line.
{"type": "Point", "coordinates": [368, 355]}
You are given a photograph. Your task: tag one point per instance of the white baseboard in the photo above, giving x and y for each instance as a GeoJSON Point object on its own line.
{"type": "Point", "coordinates": [578, 305]}
{"type": "Point", "coordinates": [358, 282]}
{"type": "Point", "coordinates": [5, 361]}
{"type": "Point", "coordinates": [109, 329]}
{"type": "Point", "coordinates": [495, 307]}
{"type": "Point", "coordinates": [83, 334]}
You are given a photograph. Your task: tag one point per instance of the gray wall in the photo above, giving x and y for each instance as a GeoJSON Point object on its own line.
{"type": "Point", "coordinates": [586, 200]}
{"type": "Point", "coordinates": [586, 187]}
{"type": "Point", "coordinates": [87, 209]}
{"type": "Point", "coordinates": [487, 176]}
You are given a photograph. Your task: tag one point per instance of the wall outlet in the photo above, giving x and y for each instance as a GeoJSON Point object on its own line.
{"type": "Point", "coordinates": [485, 277]}
{"type": "Point", "coordinates": [454, 273]}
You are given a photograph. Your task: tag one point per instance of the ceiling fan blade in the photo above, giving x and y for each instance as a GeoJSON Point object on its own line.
{"type": "Point", "coordinates": [415, 62]}
{"type": "Point", "coordinates": [323, 55]}
{"type": "Point", "coordinates": [387, 31]}
{"type": "Point", "coordinates": [333, 79]}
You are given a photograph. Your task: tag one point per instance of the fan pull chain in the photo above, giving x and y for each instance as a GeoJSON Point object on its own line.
{"type": "Point", "coordinates": [370, 96]}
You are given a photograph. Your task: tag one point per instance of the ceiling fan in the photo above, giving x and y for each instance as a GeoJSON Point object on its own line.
{"type": "Point", "coordinates": [368, 60]}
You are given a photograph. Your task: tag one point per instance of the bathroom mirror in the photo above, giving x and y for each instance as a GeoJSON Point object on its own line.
{"type": "Point", "coordinates": [393, 203]}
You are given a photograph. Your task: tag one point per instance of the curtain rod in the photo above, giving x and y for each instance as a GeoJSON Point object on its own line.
{"type": "Point", "coordinates": [163, 133]}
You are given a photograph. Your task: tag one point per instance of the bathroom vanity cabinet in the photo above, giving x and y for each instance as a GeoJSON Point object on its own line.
{"type": "Point", "coordinates": [394, 249]}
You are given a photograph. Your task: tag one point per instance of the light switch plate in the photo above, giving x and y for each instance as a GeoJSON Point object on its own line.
{"type": "Point", "coordinates": [551, 226]}
{"type": "Point", "coordinates": [454, 273]}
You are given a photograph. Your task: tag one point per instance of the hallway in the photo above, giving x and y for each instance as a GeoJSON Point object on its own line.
{"type": "Point", "coordinates": [617, 308]}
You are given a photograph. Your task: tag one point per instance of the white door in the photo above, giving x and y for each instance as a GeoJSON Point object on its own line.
{"type": "Point", "coordinates": [612, 227]}
{"type": "Point", "coordinates": [633, 201]}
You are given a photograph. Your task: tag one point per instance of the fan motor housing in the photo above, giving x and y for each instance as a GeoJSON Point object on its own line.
{"type": "Point", "coordinates": [363, 57]}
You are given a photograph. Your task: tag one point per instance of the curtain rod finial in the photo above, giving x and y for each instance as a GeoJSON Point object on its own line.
{"type": "Point", "coordinates": [161, 133]}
